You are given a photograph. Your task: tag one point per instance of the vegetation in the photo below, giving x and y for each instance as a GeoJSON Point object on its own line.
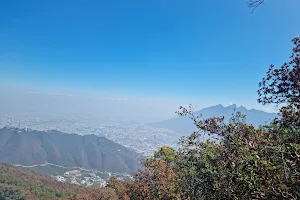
{"type": "Point", "coordinates": [20, 183]}
{"type": "Point", "coordinates": [237, 161]}
{"type": "Point", "coordinates": [95, 194]}
{"type": "Point", "coordinates": [17, 183]}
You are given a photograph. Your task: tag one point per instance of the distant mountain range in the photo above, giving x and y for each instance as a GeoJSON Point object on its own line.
{"type": "Point", "coordinates": [184, 125]}
{"type": "Point", "coordinates": [28, 148]}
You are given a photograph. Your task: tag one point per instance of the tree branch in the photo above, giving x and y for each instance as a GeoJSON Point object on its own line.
{"type": "Point", "coordinates": [254, 4]}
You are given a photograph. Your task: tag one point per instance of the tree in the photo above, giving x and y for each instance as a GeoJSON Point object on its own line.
{"type": "Point", "coordinates": [246, 163]}
{"type": "Point", "coordinates": [95, 194]}
{"type": "Point", "coordinates": [282, 86]}
{"type": "Point", "coordinates": [121, 188]}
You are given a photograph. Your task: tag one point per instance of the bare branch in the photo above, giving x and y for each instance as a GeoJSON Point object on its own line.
{"type": "Point", "coordinates": [253, 4]}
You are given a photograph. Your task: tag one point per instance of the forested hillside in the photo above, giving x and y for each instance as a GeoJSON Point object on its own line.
{"type": "Point", "coordinates": [17, 183]}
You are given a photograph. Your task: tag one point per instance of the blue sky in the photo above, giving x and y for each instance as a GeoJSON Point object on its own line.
{"type": "Point", "coordinates": [193, 50]}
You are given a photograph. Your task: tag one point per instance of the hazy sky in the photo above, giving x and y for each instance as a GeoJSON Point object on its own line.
{"type": "Point", "coordinates": [157, 52]}
{"type": "Point", "coordinates": [25, 102]}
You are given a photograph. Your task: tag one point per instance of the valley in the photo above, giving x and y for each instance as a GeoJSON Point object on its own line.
{"type": "Point", "coordinates": [83, 177]}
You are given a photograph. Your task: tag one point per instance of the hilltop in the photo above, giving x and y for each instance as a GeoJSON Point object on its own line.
{"type": "Point", "coordinates": [29, 148]}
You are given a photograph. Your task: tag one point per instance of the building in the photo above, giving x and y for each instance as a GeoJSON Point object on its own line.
{"type": "Point", "coordinates": [72, 172]}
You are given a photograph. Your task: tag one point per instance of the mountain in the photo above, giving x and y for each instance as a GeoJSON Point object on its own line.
{"type": "Point", "coordinates": [184, 125]}
{"type": "Point", "coordinates": [18, 146]}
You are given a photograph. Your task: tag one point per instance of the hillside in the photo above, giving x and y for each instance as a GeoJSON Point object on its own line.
{"type": "Point", "coordinates": [19, 183]}
{"type": "Point", "coordinates": [28, 148]}
{"type": "Point", "coordinates": [184, 125]}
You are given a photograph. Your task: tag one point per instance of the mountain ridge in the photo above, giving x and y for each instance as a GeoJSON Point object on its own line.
{"type": "Point", "coordinates": [184, 125]}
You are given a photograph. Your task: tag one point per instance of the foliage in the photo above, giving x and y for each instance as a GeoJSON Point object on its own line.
{"type": "Point", "coordinates": [20, 183]}
{"type": "Point", "coordinates": [282, 86]}
{"type": "Point", "coordinates": [10, 192]}
{"type": "Point", "coordinates": [237, 161]}
{"type": "Point", "coordinates": [121, 188]}
{"type": "Point", "coordinates": [245, 163]}
{"type": "Point", "coordinates": [95, 194]}
{"type": "Point", "coordinates": [158, 181]}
